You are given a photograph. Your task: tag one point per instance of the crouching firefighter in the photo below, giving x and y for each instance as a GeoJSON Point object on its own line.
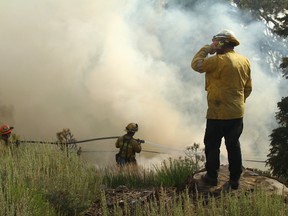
{"type": "Point", "coordinates": [128, 146]}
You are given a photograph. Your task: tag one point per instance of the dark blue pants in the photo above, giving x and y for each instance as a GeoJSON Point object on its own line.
{"type": "Point", "coordinates": [231, 131]}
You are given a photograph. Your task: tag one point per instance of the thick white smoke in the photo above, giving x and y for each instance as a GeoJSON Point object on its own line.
{"type": "Point", "coordinates": [95, 66]}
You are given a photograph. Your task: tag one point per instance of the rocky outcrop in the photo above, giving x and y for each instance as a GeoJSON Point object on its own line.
{"type": "Point", "coordinates": [249, 181]}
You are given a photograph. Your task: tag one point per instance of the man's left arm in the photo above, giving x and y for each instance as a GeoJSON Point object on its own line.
{"type": "Point", "coordinates": [137, 146]}
{"type": "Point", "coordinates": [248, 86]}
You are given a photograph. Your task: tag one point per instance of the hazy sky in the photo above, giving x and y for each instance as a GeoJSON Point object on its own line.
{"type": "Point", "coordinates": [94, 66]}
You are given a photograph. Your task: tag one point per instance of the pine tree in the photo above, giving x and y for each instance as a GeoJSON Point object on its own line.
{"type": "Point", "coordinates": [274, 14]}
{"type": "Point", "coordinates": [278, 156]}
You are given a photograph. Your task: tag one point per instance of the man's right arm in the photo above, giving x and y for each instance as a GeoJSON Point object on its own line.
{"type": "Point", "coordinates": [197, 61]}
{"type": "Point", "coordinates": [117, 144]}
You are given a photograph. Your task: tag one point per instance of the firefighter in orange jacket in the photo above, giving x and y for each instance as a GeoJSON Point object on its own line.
{"type": "Point", "coordinates": [228, 84]}
{"type": "Point", "coordinates": [5, 134]}
{"type": "Point", "coordinates": [128, 146]}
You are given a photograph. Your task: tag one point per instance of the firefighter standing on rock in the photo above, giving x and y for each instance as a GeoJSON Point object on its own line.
{"type": "Point", "coordinates": [228, 85]}
{"type": "Point", "coordinates": [128, 146]}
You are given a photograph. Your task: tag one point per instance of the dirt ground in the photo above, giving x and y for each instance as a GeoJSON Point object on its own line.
{"type": "Point", "coordinates": [248, 183]}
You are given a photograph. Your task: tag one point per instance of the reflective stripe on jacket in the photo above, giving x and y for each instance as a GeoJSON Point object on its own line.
{"type": "Point", "coordinates": [228, 82]}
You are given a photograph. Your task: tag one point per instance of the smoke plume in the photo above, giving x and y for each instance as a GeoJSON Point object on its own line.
{"type": "Point", "coordinates": [95, 66]}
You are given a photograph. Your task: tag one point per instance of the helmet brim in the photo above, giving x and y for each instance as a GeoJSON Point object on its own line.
{"type": "Point", "coordinates": [8, 131]}
{"type": "Point", "coordinates": [228, 38]}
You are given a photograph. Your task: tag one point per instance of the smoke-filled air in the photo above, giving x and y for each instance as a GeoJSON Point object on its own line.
{"type": "Point", "coordinates": [95, 66]}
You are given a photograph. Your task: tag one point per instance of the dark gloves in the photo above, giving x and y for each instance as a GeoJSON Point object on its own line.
{"type": "Point", "coordinates": [140, 141]}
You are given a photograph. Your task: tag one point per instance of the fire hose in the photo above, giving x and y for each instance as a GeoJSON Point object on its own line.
{"type": "Point", "coordinates": [81, 141]}
{"type": "Point", "coordinates": [72, 142]}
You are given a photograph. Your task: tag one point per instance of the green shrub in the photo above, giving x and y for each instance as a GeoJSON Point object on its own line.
{"type": "Point", "coordinates": [174, 172]}
{"type": "Point", "coordinates": [41, 180]}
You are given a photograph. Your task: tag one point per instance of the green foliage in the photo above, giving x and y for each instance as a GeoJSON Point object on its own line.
{"type": "Point", "coordinates": [273, 12]}
{"type": "Point", "coordinates": [278, 156]}
{"type": "Point", "coordinates": [130, 175]}
{"type": "Point", "coordinates": [182, 204]}
{"type": "Point", "coordinates": [278, 153]}
{"type": "Point", "coordinates": [174, 171]}
{"type": "Point", "coordinates": [282, 114]}
{"type": "Point", "coordinates": [256, 203]}
{"type": "Point", "coordinates": [284, 66]}
{"type": "Point", "coordinates": [170, 173]}
{"type": "Point", "coordinates": [41, 180]}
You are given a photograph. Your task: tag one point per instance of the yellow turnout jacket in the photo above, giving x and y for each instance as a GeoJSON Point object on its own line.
{"type": "Point", "coordinates": [228, 82]}
{"type": "Point", "coordinates": [128, 146]}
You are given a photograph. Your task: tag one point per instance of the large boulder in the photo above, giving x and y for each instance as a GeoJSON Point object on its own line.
{"type": "Point", "coordinates": [249, 181]}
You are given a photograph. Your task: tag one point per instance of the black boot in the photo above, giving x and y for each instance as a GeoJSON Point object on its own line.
{"type": "Point", "coordinates": [234, 184]}
{"type": "Point", "coordinates": [208, 180]}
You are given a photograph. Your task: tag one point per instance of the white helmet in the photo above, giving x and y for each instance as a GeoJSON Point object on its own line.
{"type": "Point", "coordinates": [226, 36]}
